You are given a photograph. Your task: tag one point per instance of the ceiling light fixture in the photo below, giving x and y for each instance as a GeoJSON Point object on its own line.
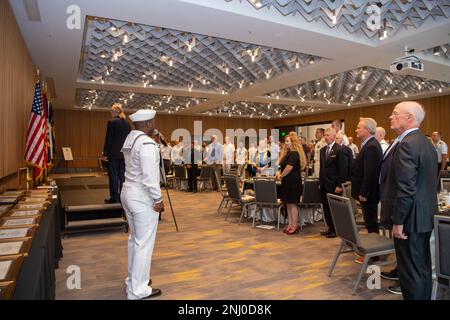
{"type": "Point", "coordinates": [436, 51]}
{"type": "Point", "coordinates": [125, 39]}
{"type": "Point", "coordinates": [253, 54]}
{"type": "Point", "coordinates": [311, 60]}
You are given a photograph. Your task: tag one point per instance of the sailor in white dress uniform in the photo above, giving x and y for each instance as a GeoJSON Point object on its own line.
{"type": "Point", "coordinates": [142, 201]}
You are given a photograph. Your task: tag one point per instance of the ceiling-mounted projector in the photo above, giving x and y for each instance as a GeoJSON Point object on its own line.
{"type": "Point", "coordinates": [407, 65]}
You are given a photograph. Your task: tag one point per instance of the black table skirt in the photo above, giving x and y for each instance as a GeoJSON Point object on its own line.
{"type": "Point", "coordinates": [36, 280]}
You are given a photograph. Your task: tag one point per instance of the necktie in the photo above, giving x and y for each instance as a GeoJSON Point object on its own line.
{"type": "Point", "coordinates": [213, 152]}
{"type": "Point", "coordinates": [328, 151]}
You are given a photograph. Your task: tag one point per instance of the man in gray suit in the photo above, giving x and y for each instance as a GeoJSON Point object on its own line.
{"type": "Point", "coordinates": [412, 180]}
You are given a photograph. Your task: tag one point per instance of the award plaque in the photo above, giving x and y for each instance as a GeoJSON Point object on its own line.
{"type": "Point", "coordinates": [10, 267]}
{"type": "Point", "coordinates": [11, 248]}
{"type": "Point", "coordinates": [35, 206]}
{"type": "Point", "coordinates": [6, 290]}
{"type": "Point", "coordinates": [9, 222]}
{"type": "Point", "coordinates": [14, 233]}
{"type": "Point", "coordinates": [23, 213]}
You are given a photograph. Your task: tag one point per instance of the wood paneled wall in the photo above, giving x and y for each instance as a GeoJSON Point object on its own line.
{"type": "Point", "coordinates": [84, 131]}
{"type": "Point", "coordinates": [436, 119]}
{"type": "Point", "coordinates": [17, 80]}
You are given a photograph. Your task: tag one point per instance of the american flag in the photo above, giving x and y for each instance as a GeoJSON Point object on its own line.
{"type": "Point", "coordinates": [35, 152]}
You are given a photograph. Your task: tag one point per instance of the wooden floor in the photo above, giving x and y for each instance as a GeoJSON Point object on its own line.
{"type": "Point", "coordinates": [211, 258]}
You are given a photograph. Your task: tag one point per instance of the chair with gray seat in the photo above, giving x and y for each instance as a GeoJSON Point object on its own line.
{"type": "Point", "coordinates": [224, 193]}
{"type": "Point", "coordinates": [356, 207]}
{"type": "Point", "coordinates": [310, 197]}
{"type": "Point", "coordinates": [180, 175]}
{"type": "Point", "coordinates": [445, 184]}
{"type": "Point", "coordinates": [206, 176]}
{"type": "Point", "coordinates": [244, 201]}
{"type": "Point", "coordinates": [443, 174]}
{"type": "Point", "coordinates": [266, 196]}
{"type": "Point", "coordinates": [442, 249]}
{"type": "Point", "coordinates": [368, 245]}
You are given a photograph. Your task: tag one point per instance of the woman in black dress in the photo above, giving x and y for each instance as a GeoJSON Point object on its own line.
{"type": "Point", "coordinates": [292, 161]}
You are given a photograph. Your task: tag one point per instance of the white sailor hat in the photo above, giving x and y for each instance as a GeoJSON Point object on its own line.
{"type": "Point", "coordinates": [143, 115]}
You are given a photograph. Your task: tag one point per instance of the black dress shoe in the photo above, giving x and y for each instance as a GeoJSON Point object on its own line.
{"type": "Point", "coordinates": [155, 293]}
{"type": "Point", "coordinates": [391, 275]}
{"type": "Point", "coordinates": [150, 283]}
{"type": "Point", "coordinates": [332, 234]}
{"type": "Point", "coordinates": [324, 233]}
{"type": "Point", "coordinates": [395, 290]}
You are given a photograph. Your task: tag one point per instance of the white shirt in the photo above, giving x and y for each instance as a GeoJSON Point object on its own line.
{"type": "Point", "coordinates": [441, 148]}
{"type": "Point", "coordinates": [228, 153]}
{"type": "Point", "coordinates": [251, 154]}
{"type": "Point", "coordinates": [142, 161]}
{"type": "Point", "coordinates": [354, 149]}
{"type": "Point", "coordinates": [319, 145]}
{"type": "Point", "coordinates": [274, 151]}
{"type": "Point", "coordinates": [177, 153]}
{"type": "Point", "coordinates": [241, 155]}
{"type": "Point", "coordinates": [344, 138]}
{"type": "Point", "coordinates": [384, 145]}
{"type": "Point", "coordinates": [166, 152]}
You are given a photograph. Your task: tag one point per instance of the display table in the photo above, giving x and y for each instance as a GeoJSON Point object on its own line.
{"type": "Point", "coordinates": [36, 279]}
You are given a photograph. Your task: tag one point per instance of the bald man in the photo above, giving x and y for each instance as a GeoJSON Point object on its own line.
{"type": "Point", "coordinates": [380, 134]}
{"type": "Point", "coordinates": [411, 206]}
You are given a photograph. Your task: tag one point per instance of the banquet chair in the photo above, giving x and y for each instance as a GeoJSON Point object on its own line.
{"type": "Point", "coordinates": [180, 175]}
{"type": "Point", "coordinates": [225, 197]}
{"type": "Point", "coordinates": [310, 198]}
{"type": "Point", "coordinates": [445, 184]}
{"type": "Point", "coordinates": [234, 192]}
{"type": "Point", "coordinates": [367, 245]}
{"type": "Point", "coordinates": [205, 177]}
{"type": "Point", "coordinates": [443, 174]}
{"type": "Point", "coordinates": [266, 196]}
{"type": "Point", "coordinates": [442, 247]}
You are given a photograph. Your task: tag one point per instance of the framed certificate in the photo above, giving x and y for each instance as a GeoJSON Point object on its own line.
{"type": "Point", "coordinates": [14, 247]}
{"type": "Point", "coordinates": [34, 206]}
{"type": "Point", "coordinates": [6, 290]}
{"type": "Point", "coordinates": [13, 222]}
{"type": "Point", "coordinates": [10, 267]}
{"type": "Point", "coordinates": [8, 199]}
{"type": "Point", "coordinates": [15, 193]}
{"type": "Point", "coordinates": [13, 233]}
{"type": "Point", "coordinates": [23, 213]}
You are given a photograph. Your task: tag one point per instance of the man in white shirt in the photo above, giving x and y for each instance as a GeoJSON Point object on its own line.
{"type": "Point", "coordinates": [214, 152]}
{"type": "Point", "coordinates": [142, 201]}
{"type": "Point", "coordinates": [177, 152]}
{"type": "Point", "coordinates": [441, 150]}
{"type": "Point", "coordinates": [241, 157]}
{"type": "Point", "coordinates": [353, 147]}
{"type": "Point", "coordinates": [380, 134]}
{"type": "Point", "coordinates": [166, 151]}
{"type": "Point", "coordinates": [274, 149]}
{"type": "Point", "coordinates": [319, 145]}
{"type": "Point", "coordinates": [251, 159]}
{"type": "Point", "coordinates": [337, 125]}
{"type": "Point", "coordinates": [228, 154]}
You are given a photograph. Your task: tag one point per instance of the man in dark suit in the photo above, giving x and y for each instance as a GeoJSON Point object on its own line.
{"type": "Point", "coordinates": [116, 133]}
{"type": "Point", "coordinates": [411, 181]}
{"type": "Point", "coordinates": [192, 156]}
{"type": "Point", "coordinates": [333, 172]}
{"type": "Point", "coordinates": [348, 153]}
{"type": "Point", "coordinates": [366, 172]}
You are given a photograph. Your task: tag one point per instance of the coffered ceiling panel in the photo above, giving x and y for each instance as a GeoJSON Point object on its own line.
{"type": "Point", "coordinates": [261, 110]}
{"type": "Point", "coordinates": [129, 53]}
{"type": "Point", "coordinates": [353, 15]}
{"type": "Point", "coordinates": [361, 85]}
{"type": "Point", "coordinates": [132, 101]}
